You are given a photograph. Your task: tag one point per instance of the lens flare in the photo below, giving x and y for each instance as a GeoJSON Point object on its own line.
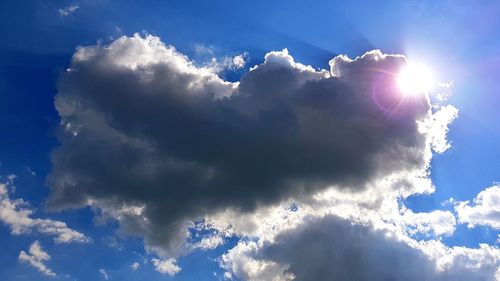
{"type": "Point", "coordinates": [415, 79]}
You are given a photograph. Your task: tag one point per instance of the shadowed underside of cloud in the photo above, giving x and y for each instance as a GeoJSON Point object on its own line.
{"type": "Point", "coordinates": [151, 140]}
{"type": "Point", "coordinates": [331, 248]}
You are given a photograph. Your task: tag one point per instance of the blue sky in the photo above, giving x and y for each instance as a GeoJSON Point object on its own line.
{"type": "Point", "coordinates": [459, 42]}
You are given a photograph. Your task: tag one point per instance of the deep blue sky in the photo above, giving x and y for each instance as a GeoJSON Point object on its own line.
{"type": "Point", "coordinates": [460, 42]}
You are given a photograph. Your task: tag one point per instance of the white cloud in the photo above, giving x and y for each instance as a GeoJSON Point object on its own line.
{"type": "Point", "coordinates": [104, 274]}
{"type": "Point", "coordinates": [135, 266]}
{"type": "Point", "coordinates": [36, 257]}
{"type": "Point", "coordinates": [204, 50]}
{"type": "Point", "coordinates": [435, 223]}
{"type": "Point", "coordinates": [228, 63]}
{"type": "Point", "coordinates": [240, 60]}
{"type": "Point", "coordinates": [206, 55]}
{"type": "Point", "coordinates": [437, 127]}
{"type": "Point", "coordinates": [16, 214]}
{"type": "Point", "coordinates": [483, 210]}
{"type": "Point", "coordinates": [66, 11]}
{"type": "Point", "coordinates": [166, 266]}
{"type": "Point", "coordinates": [208, 242]}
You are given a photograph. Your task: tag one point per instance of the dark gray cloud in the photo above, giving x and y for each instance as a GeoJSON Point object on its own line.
{"type": "Point", "coordinates": [332, 248]}
{"type": "Point", "coordinates": [156, 142]}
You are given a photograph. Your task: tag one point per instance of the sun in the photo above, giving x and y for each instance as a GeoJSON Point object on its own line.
{"type": "Point", "coordinates": [415, 78]}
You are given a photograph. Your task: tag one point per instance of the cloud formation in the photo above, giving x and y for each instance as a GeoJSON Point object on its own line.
{"type": "Point", "coordinates": [483, 210]}
{"type": "Point", "coordinates": [166, 266]}
{"type": "Point", "coordinates": [36, 257]}
{"type": "Point", "coordinates": [151, 140]}
{"type": "Point", "coordinates": [308, 166]}
{"type": "Point", "coordinates": [321, 248]}
{"type": "Point", "coordinates": [16, 214]}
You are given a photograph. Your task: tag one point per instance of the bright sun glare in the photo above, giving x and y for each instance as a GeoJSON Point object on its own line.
{"type": "Point", "coordinates": [415, 79]}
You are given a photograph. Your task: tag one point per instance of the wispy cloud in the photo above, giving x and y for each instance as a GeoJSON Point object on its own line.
{"type": "Point", "coordinates": [66, 11]}
{"type": "Point", "coordinates": [104, 274]}
{"type": "Point", "coordinates": [16, 214]}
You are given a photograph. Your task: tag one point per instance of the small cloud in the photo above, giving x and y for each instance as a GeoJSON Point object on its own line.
{"type": "Point", "coordinates": [17, 215]}
{"type": "Point", "coordinates": [135, 266]}
{"type": "Point", "coordinates": [36, 257]}
{"type": "Point", "coordinates": [228, 63]}
{"type": "Point", "coordinates": [209, 243]}
{"type": "Point", "coordinates": [166, 266]}
{"type": "Point", "coordinates": [201, 50]}
{"type": "Point", "coordinates": [66, 11]}
{"type": "Point", "coordinates": [104, 274]}
{"type": "Point", "coordinates": [482, 210]}
{"type": "Point", "coordinates": [449, 202]}
{"type": "Point", "coordinates": [239, 61]}
{"type": "Point", "coordinates": [30, 171]}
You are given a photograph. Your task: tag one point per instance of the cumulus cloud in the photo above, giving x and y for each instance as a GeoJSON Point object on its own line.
{"type": "Point", "coordinates": [330, 246]}
{"type": "Point", "coordinates": [155, 142]}
{"type": "Point", "coordinates": [307, 166]}
{"type": "Point", "coordinates": [166, 266]}
{"type": "Point", "coordinates": [16, 214]}
{"type": "Point", "coordinates": [36, 257]}
{"type": "Point", "coordinates": [483, 210]}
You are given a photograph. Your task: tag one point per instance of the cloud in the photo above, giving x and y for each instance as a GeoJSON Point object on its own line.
{"type": "Point", "coordinates": [36, 257]}
{"type": "Point", "coordinates": [240, 60]}
{"type": "Point", "coordinates": [228, 63]}
{"type": "Point", "coordinates": [166, 266]}
{"type": "Point", "coordinates": [204, 53]}
{"type": "Point", "coordinates": [309, 167]}
{"type": "Point", "coordinates": [66, 11]}
{"type": "Point", "coordinates": [435, 223]}
{"type": "Point", "coordinates": [483, 210]}
{"type": "Point", "coordinates": [104, 274]}
{"type": "Point", "coordinates": [208, 242]}
{"type": "Point", "coordinates": [330, 246]}
{"type": "Point", "coordinates": [135, 266]}
{"type": "Point", "coordinates": [17, 215]}
{"type": "Point", "coordinates": [154, 142]}
{"type": "Point", "coordinates": [438, 129]}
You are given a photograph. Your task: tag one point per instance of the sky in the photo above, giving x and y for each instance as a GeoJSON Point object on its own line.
{"type": "Point", "coordinates": [258, 140]}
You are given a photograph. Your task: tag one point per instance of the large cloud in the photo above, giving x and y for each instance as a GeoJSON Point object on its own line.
{"type": "Point", "coordinates": [331, 248]}
{"type": "Point", "coordinates": [155, 142]}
